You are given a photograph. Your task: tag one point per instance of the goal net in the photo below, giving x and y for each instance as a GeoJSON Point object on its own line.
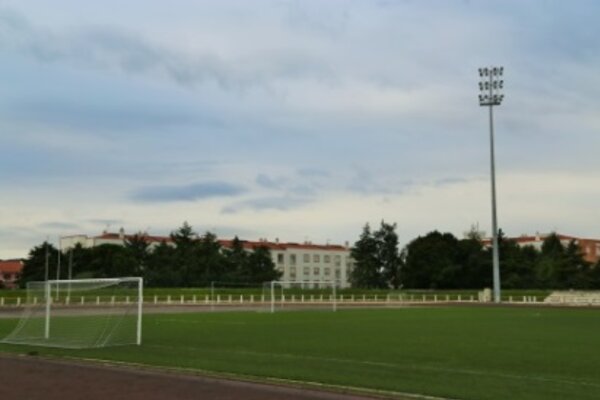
{"type": "Point", "coordinates": [294, 295]}
{"type": "Point", "coordinates": [83, 313]}
{"type": "Point", "coordinates": [235, 296]}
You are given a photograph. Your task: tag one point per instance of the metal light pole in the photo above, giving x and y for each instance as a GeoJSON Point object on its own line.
{"type": "Point", "coordinates": [47, 257]}
{"type": "Point", "coordinates": [490, 87]}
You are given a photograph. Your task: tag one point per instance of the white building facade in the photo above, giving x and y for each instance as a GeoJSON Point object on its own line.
{"type": "Point", "coordinates": [308, 263]}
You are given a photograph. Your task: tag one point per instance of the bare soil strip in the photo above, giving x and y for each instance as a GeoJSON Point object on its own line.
{"type": "Point", "coordinates": [32, 378]}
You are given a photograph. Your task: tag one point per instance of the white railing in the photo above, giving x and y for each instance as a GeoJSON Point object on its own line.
{"type": "Point", "coordinates": [306, 299]}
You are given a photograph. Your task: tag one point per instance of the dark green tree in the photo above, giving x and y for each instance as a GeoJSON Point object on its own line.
{"type": "Point", "coordinates": [79, 259]}
{"type": "Point", "coordinates": [138, 247]}
{"type": "Point", "coordinates": [237, 269]}
{"type": "Point", "coordinates": [111, 261]}
{"type": "Point", "coordinates": [475, 262]}
{"type": "Point", "coordinates": [34, 266]}
{"type": "Point", "coordinates": [550, 263]}
{"type": "Point", "coordinates": [260, 266]}
{"type": "Point", "coordinates": [367, 272]}
{"type": "Point", "coordinates": [517, 264]}
{"type": "Point", "coordinates": [185, 258]}
{"type": "Point", "coordinates": [160, 271]}
{"type": "Point", "coordinates": [212, 263]}
{"type": "Point", "coordinates": [574, 270]}
{"type": "Point", "coordinates": [432, 262]}
{"type": "Point", "coordinates": [388, 256]}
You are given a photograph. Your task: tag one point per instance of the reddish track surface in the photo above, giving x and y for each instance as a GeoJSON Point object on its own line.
{"type": "Point", "coordinates": [32, 378]}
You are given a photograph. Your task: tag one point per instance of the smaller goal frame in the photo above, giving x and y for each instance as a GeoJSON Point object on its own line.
{"type": "Point", "coordinates": [332, 283]}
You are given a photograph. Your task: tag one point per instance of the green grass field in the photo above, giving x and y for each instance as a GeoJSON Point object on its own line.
{"type": "Point", "coordinates": [456, 352]}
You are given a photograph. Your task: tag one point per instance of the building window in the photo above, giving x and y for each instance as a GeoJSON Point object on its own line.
{"type": "Point", "coordinates": [316, 271]}
{"type": "Point", "coordinates": [316, 258]}
{"type": "Point", "coordinates": [338, 260]}
{"type": "Point", "coordinates": [293, 273]}
{"type": "Point", "coordinates": [338, 273]}
{"type": "Point", "coordinates": [327, 271]}
{"type": "Point", "coordinates": [7, 276]}
{"type": "Point", "coordinates": [306, 270]}
{"type": "Point", "coordinates": [327, 259]}
{"type": "Point", "coordinates": [307, 258]}
{"type": "Point", "coordinates": [279, 258]}
{"type": "Point", "coordinates": [292, 259]}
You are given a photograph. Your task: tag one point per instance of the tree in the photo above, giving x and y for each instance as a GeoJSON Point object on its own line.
{"type": "Point", "coordinates": [137, 246]}
{"type": "Point", "coordinates": [111, 261]}
{"type": "Point", "coordinates": [517, 264]}
{"type": "Point", "coordinates": [367, 271]}
{"type": "Point", "coordinates": [185, 257]}
{"type": "Point", "coordinates": [475, 262]}
{"type": "Point", "coordinates": [573, 271]}
{"type": "Point", "coordinates": [81, 259]}
{"type": "Point", "coordinates": [432, 262]}
{"type": "Point", "coordinates": [34, 267]}
{"type": "Point", "coordinates": [388, 256]}
{"type": "Point", "coordinates": [160, 271]}
{"type": "Point", "coordinates": [549, 264]}
{"type": "Point", "coordinates": [210, 261]}
{"type": "Point", "coordinates": [592, 276]}
{"type": "Point", "coordinates": [260, 266]}
{"type": "Point", "coordinates": [237, 269]}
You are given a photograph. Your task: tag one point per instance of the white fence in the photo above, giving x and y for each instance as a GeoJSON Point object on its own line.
{"type": "Point", "coordinates": [249, 300]}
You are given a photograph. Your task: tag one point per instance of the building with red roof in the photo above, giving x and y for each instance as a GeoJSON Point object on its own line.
{"type": "Point", "coordinates": [9, 273]}
{"type": "Point", "coordinates": [299, 262]}
{"type": "Point", "coordinates": [590, 248]}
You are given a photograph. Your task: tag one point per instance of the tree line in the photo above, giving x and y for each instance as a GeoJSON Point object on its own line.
{"type": "Point", "coordinates": [188, 261]}
{"type": "Point", "coordinates": [441, 261]}
{"type": "Point", "coordinates": [433, 261]}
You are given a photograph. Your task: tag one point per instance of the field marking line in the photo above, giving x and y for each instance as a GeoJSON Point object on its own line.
{"type": "Point", "coordinates": [397, 366]}
{"type": "Point", "coordinates": [203, 322]}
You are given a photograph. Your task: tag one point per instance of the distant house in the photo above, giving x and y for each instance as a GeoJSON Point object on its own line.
{"type": "Point", "coordinates": [298, 262]}
{"type": "Point", "coordinates": [589, 247]}
{"type": "Point", "coordinates": [9, 273]}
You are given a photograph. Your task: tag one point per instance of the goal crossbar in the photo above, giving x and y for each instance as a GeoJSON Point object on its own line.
{"type": "Point", "coordinates": [99, 280]}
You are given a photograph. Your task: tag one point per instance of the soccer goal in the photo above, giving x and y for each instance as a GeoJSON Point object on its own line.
{"type": "Point", "coordinates": [81, 313]}
{"type": "Point", "coordinates": [304, 295]}
{"type": "Point", "coordinates": [233, 296]}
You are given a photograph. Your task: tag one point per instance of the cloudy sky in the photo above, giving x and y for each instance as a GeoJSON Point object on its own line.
{"type": "Point", "coordinates": [301, 120]}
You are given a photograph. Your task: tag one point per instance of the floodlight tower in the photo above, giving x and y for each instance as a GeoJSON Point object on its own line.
{"type": "Point", "coordinates": [490, 95]}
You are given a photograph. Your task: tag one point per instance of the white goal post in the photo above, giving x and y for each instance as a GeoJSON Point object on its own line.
{"type": "Point", "coordinates": [301, 294]}
{"type": "Point", "coordinates": [81, 313]}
